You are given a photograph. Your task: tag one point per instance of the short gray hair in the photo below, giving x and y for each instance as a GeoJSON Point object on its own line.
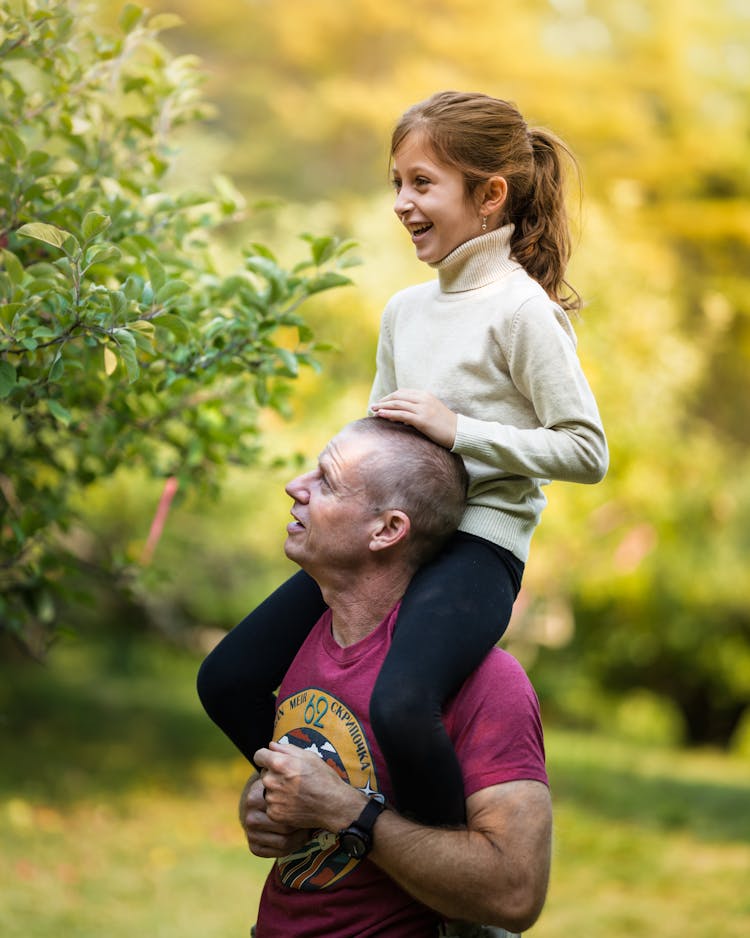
{"type": "Point", "coordinates": [412, 473]}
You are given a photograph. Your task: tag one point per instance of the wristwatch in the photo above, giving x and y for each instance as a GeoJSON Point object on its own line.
{"type": "Point", "coordinates": [356, 839]}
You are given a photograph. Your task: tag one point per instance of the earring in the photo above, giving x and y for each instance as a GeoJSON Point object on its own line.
{"type": "Point", "coordinates": [484, 222]}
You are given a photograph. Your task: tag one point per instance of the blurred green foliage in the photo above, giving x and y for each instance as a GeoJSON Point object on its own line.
{"type": "Point", "coordinates": [122, 342]}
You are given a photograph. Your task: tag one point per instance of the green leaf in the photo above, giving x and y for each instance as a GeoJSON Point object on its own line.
{"type": "Point", "coordinates": [323, 250]}
{"type": "Point", "coordinates": [59, 412]}
{"type": "Point", "coordinates": [142, 326]}
{"type": "Point", "coordinates": [68, 184]}
{"type": "Point", "coordinates": [346, 245]}
{"type": "Point", "coordinates": [127, 354]}
{"type": "Point", "coordinates": [37, 161]}
{"type": "Point", "coordinates": [263, 251]}
{"type": "Point", "coordinates": [123, 338]}
{"type": "Point", "coordinates": [142, 340]}
{"type": "Point", "coordinates": [117, 303]}
{"type": "Point", "coordinates": [7, 378]}
{"type": "Point", "coordinates": [327, 281]}
{"type": "Point", "coordinates": [311, 362]}
{"type": "Point", "coordinates": [44, 332]}
{"type": "Point", "coordinates": [130, 17]}
{"type": "Point", "coordinates": [156, 273]}
{"type": "Point", "coordinates": [13, 267]}
{"type": "Point", "coordinates": [273, 274]}
{"type": "Point", "coordinates": [57, 369]}
{"type": "Point", "coordinates": [132, 287]}
{"type": "Point", "coordinates": [261, 390]}
{"type": "Point", "coordinates": [13, 147]}
{"type": "Point", "coordinates": [44, 270]}
{"type": "Point", "coordinates": [71, 245]}
{"type": "Point", "coordinates": [174, 324]}
{"type": "Point", "coordinates": [8, 312]}
{"type": "Point", "coordinates": [46, 233]}
{"type": "Point", "coordinates": [289, 361]}
{"type": "Point", "coordinates": [137, 245]}
{"type": "Point", "coordinates": [6, 287]}
{"type": "Point", "coordinates": [101, 253]}
{"type": "Point", "coordinates": [93, 224]}
{"type": "Point", "coordinates": [170, 290]}
{"type": "Point", "coordinates": [165, 21]}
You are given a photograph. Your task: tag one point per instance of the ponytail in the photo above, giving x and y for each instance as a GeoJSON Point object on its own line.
{"type": "Point", "coordinates": [541, 239]}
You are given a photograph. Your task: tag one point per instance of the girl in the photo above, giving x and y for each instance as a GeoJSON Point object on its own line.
{"type": "Point", "coordinates": [482, 360]}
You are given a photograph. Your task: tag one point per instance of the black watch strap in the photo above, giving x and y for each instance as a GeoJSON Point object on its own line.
{"type": "Point", "coordinates": [370, 813]}
{"type": "Point", "coordinates": [356, 839]}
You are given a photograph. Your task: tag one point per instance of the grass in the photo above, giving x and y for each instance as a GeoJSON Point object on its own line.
{"type": "Point", "coordinates": [647, 841]}
{"type": "Point", "coordinates": [118, 803]}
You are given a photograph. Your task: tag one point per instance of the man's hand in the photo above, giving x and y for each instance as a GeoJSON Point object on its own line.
{"type": "Point", "coordinates": [266, 838]}
{"type": "Point", "coordinates": [421, 410]}
{"type": "Point", "coordinates": [301, 791]}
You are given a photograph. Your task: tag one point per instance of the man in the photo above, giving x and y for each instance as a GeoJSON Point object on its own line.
{"type": "Point", "coordinates": [381, 499]}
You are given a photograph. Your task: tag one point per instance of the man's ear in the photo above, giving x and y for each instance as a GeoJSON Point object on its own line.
{"type": "Point", "coordinates": [391, 527]}
{"type": "Point", "coordinates": [495, 194]}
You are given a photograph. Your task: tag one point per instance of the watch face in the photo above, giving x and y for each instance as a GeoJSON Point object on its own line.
{"type": "Point", "coordinates": [353, 844]}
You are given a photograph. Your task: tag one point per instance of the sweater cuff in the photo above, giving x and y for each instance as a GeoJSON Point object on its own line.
{"type": "Point", "coordinates": [471, 437]}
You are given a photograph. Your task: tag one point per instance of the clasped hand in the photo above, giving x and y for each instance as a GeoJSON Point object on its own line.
{"type": "Point", "coordinates": [421, 410]}
{"type": "Point", "coordinates": [295, 793]}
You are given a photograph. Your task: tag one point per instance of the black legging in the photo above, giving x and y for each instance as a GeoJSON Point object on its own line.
{"type": "Point", "coordinates": [455, 609]}
{"type": "Point", "coordinates": [237, 681]}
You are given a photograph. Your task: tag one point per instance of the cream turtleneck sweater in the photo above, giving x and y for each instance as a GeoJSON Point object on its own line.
{"type": "Point", "coordinates": [487, 341]}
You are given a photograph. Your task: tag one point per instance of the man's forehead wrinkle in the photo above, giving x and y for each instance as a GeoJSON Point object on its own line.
{"type": "Point", "coordinates": [329, 458]}
{"type": "Point", "coordinates": [346, 472]}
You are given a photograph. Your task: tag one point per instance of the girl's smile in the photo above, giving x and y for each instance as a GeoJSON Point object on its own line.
{"type": "Point", "coordinates": [431, 201]}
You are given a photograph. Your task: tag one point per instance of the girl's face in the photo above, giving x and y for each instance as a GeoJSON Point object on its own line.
{"type": "Point", "coordinates": [431, 201]}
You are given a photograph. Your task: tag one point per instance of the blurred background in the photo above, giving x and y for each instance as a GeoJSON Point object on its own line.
{"type": "Point", "coordinates": [118, 796]}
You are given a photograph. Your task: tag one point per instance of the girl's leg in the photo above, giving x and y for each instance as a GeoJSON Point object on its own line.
{"type": "Point", "coordinates": [236, 682]}
{"type": "Point", "coordinates": [454, 611]}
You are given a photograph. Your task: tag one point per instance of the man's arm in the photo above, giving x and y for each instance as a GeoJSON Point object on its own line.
{"type": "Point", "coordinates": [495, 871]}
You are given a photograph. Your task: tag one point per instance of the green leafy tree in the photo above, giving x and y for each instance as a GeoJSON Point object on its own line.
{"type": "Point", "coordinates": [122, 342]}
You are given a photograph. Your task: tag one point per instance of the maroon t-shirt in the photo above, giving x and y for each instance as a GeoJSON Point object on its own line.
{"type": "Point", "coordinates": [323, 705]}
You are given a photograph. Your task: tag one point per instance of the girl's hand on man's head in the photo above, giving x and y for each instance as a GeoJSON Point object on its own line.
{"type": "Point", "coordinates": [421, 410]}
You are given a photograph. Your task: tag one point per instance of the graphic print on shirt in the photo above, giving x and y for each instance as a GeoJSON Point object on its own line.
{"type": "Point", "coordinates": [316, 720]}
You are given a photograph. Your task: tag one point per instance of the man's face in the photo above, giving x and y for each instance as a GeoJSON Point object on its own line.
{"type": "Point", "coordinates": [332, 518]}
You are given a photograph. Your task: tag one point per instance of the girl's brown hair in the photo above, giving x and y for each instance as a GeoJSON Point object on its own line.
{"type": "Point", "coordinates": [482, 137]}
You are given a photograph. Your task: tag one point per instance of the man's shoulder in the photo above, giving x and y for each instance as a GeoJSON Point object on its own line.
{"type": "Point", "coordinates": [499, 684]}
{"type": "Point", "coordinates": [499, 663]}
{"type": "Point", "coordinates": [495, 725]}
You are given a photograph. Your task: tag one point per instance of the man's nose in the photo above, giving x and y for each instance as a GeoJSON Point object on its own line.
{"type": "Point", "coordinates": [299, 488]}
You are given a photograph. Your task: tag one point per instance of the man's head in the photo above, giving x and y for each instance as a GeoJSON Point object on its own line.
{"type": "Point", "coordinates": [381, 492]}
